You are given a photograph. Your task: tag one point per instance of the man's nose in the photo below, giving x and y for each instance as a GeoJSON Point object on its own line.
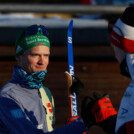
{"type": "Point", "coordinates": [41, 60]}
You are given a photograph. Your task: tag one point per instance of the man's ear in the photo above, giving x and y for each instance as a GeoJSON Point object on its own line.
{"type": "Point", "coordinates": [18, 59]}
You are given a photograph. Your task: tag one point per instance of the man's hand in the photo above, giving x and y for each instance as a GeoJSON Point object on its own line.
{"type": "Point", "coordinates": [73, 84]}
{"type": "Point", "coordinates": [73, 118]}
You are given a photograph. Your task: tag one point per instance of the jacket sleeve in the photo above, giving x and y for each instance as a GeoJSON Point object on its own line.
{"type": "Point", "coordinates": [13, 120]}
{"type": "Point", "coordinates": [75, 127]}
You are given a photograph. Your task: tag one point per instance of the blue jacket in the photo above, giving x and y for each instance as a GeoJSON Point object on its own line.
{"type": "Point", "coordinates": [21, 112]}
{"type": "Point", "coordinates": [14, 121]}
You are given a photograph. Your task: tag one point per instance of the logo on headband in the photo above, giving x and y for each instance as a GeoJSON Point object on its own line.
{"type": "Point", "coordinates": [40, 31]}
{"type": "Point", "coordinates": [40, 44]}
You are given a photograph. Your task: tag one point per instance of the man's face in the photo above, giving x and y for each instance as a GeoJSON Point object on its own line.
{"type": "Point", "coordinates": [34, 59]}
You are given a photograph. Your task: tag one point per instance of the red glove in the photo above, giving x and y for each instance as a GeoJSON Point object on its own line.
{"type": "Point", "coordinates": [102, 109]}
{"type": "Point", "coordinates": [96, 110]}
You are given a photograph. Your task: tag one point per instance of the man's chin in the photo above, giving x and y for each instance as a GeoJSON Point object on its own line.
{"type": "Point", "coordinates": [39, 70]}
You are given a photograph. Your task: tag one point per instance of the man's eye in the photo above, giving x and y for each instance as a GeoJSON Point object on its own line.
{"type": "Point", "coordinates": [34, 55]}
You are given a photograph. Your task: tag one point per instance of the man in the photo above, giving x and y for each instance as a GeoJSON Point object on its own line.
{"type": "Point", "coordinates": [26, 106]}
{"type": "Point", "coordinates": [122, 41]}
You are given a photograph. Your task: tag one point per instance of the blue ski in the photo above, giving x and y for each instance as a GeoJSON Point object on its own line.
{"type": "Point", "coordinates": [73, 100]}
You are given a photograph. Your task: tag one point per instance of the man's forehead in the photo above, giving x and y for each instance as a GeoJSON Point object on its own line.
{"type": "Point", "coordinates": [38, 49]}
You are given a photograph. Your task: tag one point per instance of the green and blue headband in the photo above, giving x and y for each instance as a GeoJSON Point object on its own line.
{"type": "Point", "coordinates": [35, 35]}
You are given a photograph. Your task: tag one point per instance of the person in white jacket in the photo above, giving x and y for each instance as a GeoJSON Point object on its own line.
{"type": "Point", "coordinates": [122, 41]}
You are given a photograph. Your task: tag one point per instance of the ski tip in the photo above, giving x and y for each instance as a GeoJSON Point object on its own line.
{"type": "Point", "coordinates": [71, 22]}
{"type": "Point", "coordinates": [70, 27]}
